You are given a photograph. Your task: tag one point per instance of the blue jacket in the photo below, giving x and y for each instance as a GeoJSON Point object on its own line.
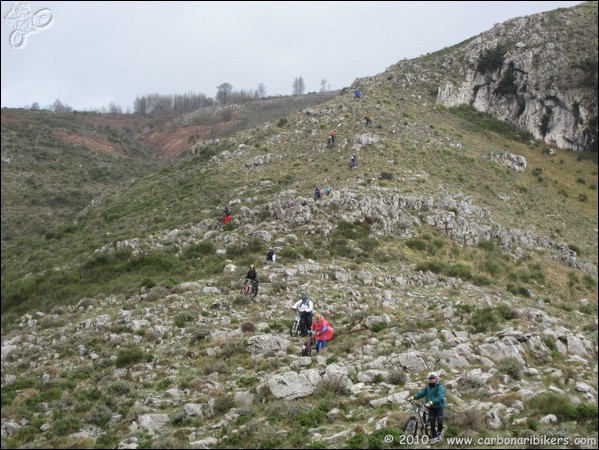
{"type": "Point", "coordinates": [436, 394]}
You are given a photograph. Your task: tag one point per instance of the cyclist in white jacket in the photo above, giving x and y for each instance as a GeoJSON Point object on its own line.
{"type": "Point", "coordinates": [305, 307]}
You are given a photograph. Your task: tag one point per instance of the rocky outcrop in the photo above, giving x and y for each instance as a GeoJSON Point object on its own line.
{"type": "Point", "coordinates": [529, 73]}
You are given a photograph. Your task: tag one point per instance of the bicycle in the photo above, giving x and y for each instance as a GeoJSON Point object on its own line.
{"type": "Point", "coordinates": [309, 344]}
{"type": "Point", "coordinates": [419, 419]}
{"type": "Point", "coordinates": [295, 325]}
{"type": "Point", "coordinates": [251, 287]}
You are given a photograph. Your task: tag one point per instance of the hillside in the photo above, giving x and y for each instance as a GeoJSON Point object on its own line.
{"type": "Point", "coordinates": [54, 165]}
{"type": "Point", "coordinates": [459, 244]}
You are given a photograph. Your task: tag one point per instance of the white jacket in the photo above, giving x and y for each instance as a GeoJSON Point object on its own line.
{"type": "Point", "coordinates": [306, 307]}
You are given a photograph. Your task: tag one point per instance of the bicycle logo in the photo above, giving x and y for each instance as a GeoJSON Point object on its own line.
{"type": "Point", "coordinates": [25, 23]}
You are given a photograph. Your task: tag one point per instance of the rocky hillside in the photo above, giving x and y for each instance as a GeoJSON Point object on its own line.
{"type": "Point", "coordinates": [537, 72]}
{"type": "Point", "coordinates": [459, 245]}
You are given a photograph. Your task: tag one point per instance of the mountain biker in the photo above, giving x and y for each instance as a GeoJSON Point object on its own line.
{"type": "Point", "coordinates": [271, 255]}
{"type": "Point", "coordinates": [304, 306]}
{"type": "Point", "coordinates": [329, 141]}
{"type": "Point", "coordinates": [367, 120]}
{"type": "Point", "coordinates": [434, 394]}
{"type": "Point", "coordinates": [323, 331]}
{"type": "Point", "coordinates": [253, 276]}
{"type": "Point", "coordinates": [317, 192]}
{"type": "Point", "coordinates": [353, 161]}
{"type": "Point", "coordinates": [327, 190]}
{"type": "Point", "coordinates": [357, 93]}
{"type": "Point", "coordinates": [333, 134]}
{"type": "Point", "coordinates": [227, 215]}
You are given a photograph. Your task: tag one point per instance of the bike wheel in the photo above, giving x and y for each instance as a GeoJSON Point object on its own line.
{"type": "Point", "coordinates": [294, 328]}
{"type": "Point", "coordinates": [411, 426]}
{"type": "Point", "coordinates": [254, 290]}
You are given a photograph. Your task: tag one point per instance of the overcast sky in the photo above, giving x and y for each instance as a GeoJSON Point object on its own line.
{"type": "Point", "coordinates": [91, 54]}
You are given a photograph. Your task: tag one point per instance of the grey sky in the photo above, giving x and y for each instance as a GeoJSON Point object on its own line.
{"type": "Point", "coordinates": [96, 53]}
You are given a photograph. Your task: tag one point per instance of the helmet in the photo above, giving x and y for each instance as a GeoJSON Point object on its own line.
{"type": "Point", "coordinates": [304, 296]}
{"type": "Point", "coordinates": [432, 375]}
{"type": "Point", "coordinates": [251, 266]}
{"type": "Point", "coordinates": [318, 316]}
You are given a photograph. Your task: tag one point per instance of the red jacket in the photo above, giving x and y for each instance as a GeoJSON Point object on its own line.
{"type": "Point", "coordinates": [318, 326]}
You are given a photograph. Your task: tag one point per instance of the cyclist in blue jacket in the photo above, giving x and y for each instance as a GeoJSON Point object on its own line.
{"type": "Point", "coordinates": [434, 395]}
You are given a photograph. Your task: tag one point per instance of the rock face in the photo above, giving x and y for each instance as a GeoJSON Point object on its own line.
{"type": "Point", "coordinates": [532, 76]}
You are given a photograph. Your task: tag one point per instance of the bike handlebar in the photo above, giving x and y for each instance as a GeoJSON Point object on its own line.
{"type": "Point", "coordinates": [419, 405]}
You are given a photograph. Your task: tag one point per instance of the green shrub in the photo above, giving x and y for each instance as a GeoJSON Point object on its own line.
{"type": "Point", "coordinates": [587, 414]}
{"type": "Point", "coordinates": [536, 171]}
{"type": "Point", "coordinates": [199, 250]}
{"type": "Point", "coordinates": [552, 403]}
{"type": "Point", "coordinates": [532, 424]}
{"type": "Point", "coordinates": [120, 387]}
{"type": "Point", "coordinates": [492, 59]}
{"type": "Point", "coordinates": [510, 366]}
{"type": "Point", "coordinates": [378, 438]}
{"type": "Point", "coordinates": [66, 425]}
{"type": "Point", "coordinates": [451, 431]}
{"type": "Point", "coordinates": [129, 357]}
{"type": "Point", "coordinates": [397, 377]}
{"type": "Point", "coordinates": [416, 244]}
{"type": "Point", "coordinates": [482, 320]}
{"type": "Point", "coordinates": [183, 318]}
{"type": "Point", "coordinates": [378, 327]}
{"type": "Point", "coordinates": [311, 419]}
{"type": "Point", "coordinates": [431, 266]}
{"type": "Point", "coordinates": [222, 404]}
{"type": "Point", "coordinates": [486, 245]}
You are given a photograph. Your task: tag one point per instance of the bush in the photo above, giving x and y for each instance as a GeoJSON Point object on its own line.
{"type": "Point", "coordinates": [120, 387]}
{"type": "Point", "coordinates": [482, 320]}
{"type": "Point", "coordinates": [66, 425]}
{"type": "Point", "coordinates": [510, 366]}
{"type": "Point", "coordinates": [491, 59]}
{"type": "Point", "coordinates": [129, 357]}
{"type": "Point", "coordinates": [397, 377]}
{"type": "Point", "coordinates": [451, 431]}
{"type": "Point", "coordinates": [335, 385]}
{"type": "Point", "coordinates": [182, 318]}
{"type": "Point", "coordinates": [222, 404]}
{"type": "Point", "coordinates": [551, 403]}
{"type": "Point", "coordinates": [247, 327]}
{"type": "Point", "coordinates": [311, 419]}
{"type": "Point", "coordinates": [585, 413]}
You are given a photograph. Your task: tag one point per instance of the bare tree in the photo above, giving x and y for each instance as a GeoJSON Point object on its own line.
{"type": "Point", "coordinates": [115, 109]}
{"type": "Point", "coordinates": [298, 86]}
{"type": "Point", "coordinates": [223, 92]}
{"type": "Point", "coordinates": [60, 107]}
{"type": "Point", "coordinates": [261, 91]}
{"type": "Point", "coordinates": [324, 86]}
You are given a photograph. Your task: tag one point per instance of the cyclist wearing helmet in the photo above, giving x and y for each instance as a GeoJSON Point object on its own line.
{"type": "Point", "coordinates": [252, 275]}
{"type": "Point", "coordinates": [434, 395]}
{"type": "Point", "coordinates": [304, 306]}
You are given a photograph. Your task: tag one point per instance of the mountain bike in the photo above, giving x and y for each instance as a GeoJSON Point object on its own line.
{"type": "Point", "coordinates": [251, 287]}
{"type": "Point", "coordinates": [419, 419]}
{"type": "Point", "coordinates": [295, 325]}
{"type": "Point", "coordinates": [309, 344]}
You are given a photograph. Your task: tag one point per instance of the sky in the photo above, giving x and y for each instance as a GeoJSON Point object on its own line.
{"type": "Point", "coordinates": [91, 54]}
